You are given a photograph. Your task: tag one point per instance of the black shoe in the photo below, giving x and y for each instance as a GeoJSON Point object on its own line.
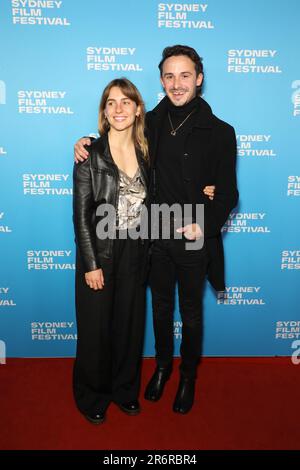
{"type": "Point", "coordinates": [155, 387]}
{"type": "Point", "coordinates": [96, 418]}
{"type": "Point", "coordinates": [132, 408]}
{"type": "Point", "coordinates": [184, 399]}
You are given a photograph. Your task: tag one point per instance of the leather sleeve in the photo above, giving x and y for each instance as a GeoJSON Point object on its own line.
{"type": "Point", "coordinates": [82, 215]}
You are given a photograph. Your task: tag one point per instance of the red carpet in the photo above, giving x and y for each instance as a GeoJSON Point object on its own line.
{"type": "Point", "coordinates": [250, 403]}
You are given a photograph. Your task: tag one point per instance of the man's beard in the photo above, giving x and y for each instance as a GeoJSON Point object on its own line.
{"type": "Point", "coordinates": [172, 92]}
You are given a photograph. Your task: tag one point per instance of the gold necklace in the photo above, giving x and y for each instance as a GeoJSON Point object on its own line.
{"type": "Point", "coordinates": [173, 131]}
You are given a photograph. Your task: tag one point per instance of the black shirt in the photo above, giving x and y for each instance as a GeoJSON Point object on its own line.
{"type": "Point", "coordinates": [169, 171]}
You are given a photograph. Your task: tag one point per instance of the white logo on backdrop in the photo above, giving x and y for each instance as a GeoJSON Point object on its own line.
{"type": "Point", "coordinates": [112, 59]}
{"type": "Point", "coordinates": [5, 301]}
{"type": "Point", "coordinates": [52, 331]}
{"type": "Point", "coordinates": [254, 145]}
{"type": "Point", "coordinates": [38, 13]}
{"type": "Point", "coordinates": [183, 16]}
{"type": "Point", "coordinates": [246, 222]}
{"type": "Point", "coordinates": [293, 185]}
{"type": "Point", "coordinates": [287, 329]}
{"type": "Point", "coordinates": [42, 102]}
{"type": "Point", "coordinates": [290, 259]}
{"type": "Point", "coordinates": [47, 184]}
{"type": "Point", "coordinates": [4, 228]}
{"type": "Point", "coordinates": [177, 330]}
{"type": "Point", "coordinates": [241, 295]}
{"type": "Point", "coordinates": [3, 152]}
{"type": "Point", "coordinates": [50, 260]}
{"type": "Point", "coordinates": [259, 61]}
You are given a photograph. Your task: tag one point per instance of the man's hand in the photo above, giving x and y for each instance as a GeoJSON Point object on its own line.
{"type": "Point", "coordinates": [191, 231]}
{"type": "Point", "coordinates": [209, 191]}
{"type": "Point", "coordinates": [95, 279]}
{"type": "Point", "coordinates": [80, 153]}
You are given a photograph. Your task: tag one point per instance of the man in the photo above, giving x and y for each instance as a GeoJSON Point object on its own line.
{"type": "Point", "coordinates": [189, 148]}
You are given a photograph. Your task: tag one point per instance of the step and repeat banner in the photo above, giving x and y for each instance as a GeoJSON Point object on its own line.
{"type": "Point", "coordinates": [56, 58]}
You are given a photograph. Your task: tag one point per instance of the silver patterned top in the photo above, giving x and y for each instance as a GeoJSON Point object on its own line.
{"type": "Point", "coordinates": [131, 197]}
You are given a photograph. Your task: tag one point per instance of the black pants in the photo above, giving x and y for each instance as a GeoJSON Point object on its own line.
{"type": "Point", "coordinates": [170, 261]}
{"type": "Point", "coordinates": [110, 326]}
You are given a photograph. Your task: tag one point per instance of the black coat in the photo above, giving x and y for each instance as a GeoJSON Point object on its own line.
{"type": "Point", "coordinates": [209, 158]}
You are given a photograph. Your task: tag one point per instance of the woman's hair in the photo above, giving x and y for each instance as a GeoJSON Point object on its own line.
{"type": "Point", "coordinates": [129, 90]}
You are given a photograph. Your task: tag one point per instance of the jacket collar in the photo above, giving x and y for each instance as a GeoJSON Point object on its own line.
{"type": "Point", "coordinates": [203, 113]}
{"type": "Point", "coordinates": [102, 147]}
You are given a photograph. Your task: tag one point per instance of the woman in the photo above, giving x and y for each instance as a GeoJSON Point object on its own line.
{"type": "Point", "coordinates": [110, 293]}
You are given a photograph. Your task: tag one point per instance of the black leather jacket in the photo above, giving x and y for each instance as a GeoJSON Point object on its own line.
{"type": "Point", "coordinates": [96, 182]}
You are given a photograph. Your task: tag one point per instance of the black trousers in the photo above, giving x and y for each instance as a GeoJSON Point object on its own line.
{"type": "Point", "coordinates": [110, 327]}
{"type": "Point", "coordinates": [171, 262]}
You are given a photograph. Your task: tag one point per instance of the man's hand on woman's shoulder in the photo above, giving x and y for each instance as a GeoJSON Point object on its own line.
{"type": "Point", "coordinates": [80, 152]}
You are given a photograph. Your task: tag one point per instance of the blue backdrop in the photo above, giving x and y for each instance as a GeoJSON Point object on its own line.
{"type": "Point", "coordinates": [56, 58]}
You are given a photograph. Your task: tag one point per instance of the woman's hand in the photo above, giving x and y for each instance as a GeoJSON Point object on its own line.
{"type": "Point", "coordinates": [95, 279]}
{"type": "Point", "coordinates": [80, 153]}
{"type": "Point", "coordinates": [209, 191]}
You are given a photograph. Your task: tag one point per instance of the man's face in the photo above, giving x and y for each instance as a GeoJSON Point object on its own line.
{"type": "Point", "coordinates": [179, 79]}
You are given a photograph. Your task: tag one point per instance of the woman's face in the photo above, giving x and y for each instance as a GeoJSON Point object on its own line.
{"type": "Point", "coordinates": [120, 111]}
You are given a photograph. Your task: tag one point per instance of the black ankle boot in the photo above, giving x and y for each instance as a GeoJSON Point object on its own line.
{"type": "Point", "coordinates": [131, 407]}
{"type": "Point", "coordinates": [96, 418]}
{"type": "Point", "coordinates": [184, 399]}
{"type": "Point", "coordinates": [155, 387]}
